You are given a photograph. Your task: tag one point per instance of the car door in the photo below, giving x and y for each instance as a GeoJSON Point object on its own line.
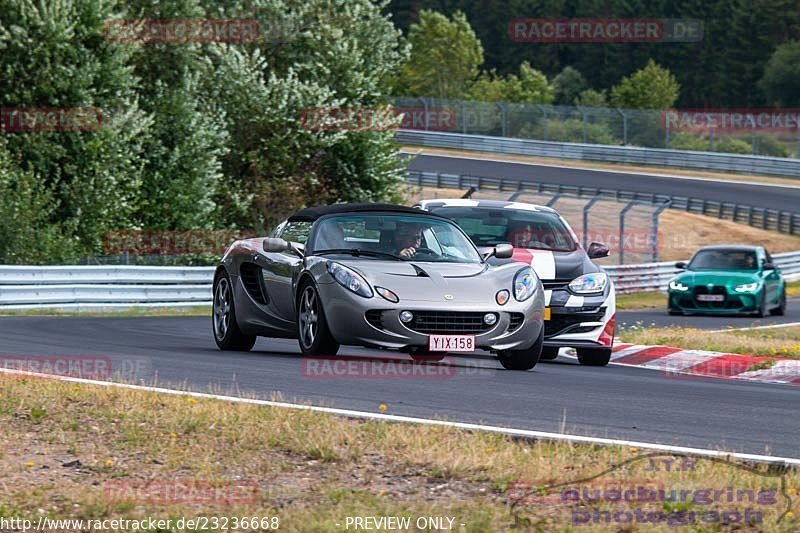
{"type": "Point", "coordinates": [772, 280]}
{"type": "Point", "coordinates": [281, 269]}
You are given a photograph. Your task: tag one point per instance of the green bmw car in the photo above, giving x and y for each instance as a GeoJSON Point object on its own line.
{"type": "Point", "coordinates": [728, 280]}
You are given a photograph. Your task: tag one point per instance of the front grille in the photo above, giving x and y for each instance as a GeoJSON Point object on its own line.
{"type": "Point", "coordinates": [253, 282]}
{"type": "Point", "coordinates": [716, 289]}
{"type": "Point", "coordinates": [515, 321]}
{"type": "Point", "coordinates": [568, 322]}
{"type": "Point", "coordinates": [554, 284]}
{"type": "Point", "coordinates": [448, 323]}
{"type": "Point", "coordinates": [375, 318]}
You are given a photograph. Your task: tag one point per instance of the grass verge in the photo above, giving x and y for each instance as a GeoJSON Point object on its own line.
{"type": "Point", "coordinates": [773, 342]}
{"type": "Point", "coordinates": [642, 300]}
{"type": "Point", "coordinates": [86, 452]}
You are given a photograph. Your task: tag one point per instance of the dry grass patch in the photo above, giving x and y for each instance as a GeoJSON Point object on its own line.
{"type": "Point", "coordinates": [63, 444]}
{"type": "Point", "coordinates": [773, 342]}
{"type": "Point", "coordinates": [642, 300]}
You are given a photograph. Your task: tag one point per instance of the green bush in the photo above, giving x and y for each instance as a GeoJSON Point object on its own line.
{"type": "Point", "coordinates": [731, 145]}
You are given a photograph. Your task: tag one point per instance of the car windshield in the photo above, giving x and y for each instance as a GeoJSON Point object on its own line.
{"type": "Point", "coordinates": [394, 237]}
{"type": "Point", "coordinates": [724, 260]}
{"type": "Point", "coordinates": [541, 230]}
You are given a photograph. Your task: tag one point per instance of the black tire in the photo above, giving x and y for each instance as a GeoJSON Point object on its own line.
{"type": "Point", "coordinates": [313, 334]}
{"type": "Point", "coordinates": [762, 310]}
{"type": "Point", "coordinates": [781, 309]}
{"type": "Point", "coordinates": [522, 359]}
{"type": "Point", "coordinates": [226, 331]}
{"type": "Point", "coordinates": [594, 356]}
{"type": "Point", "coordinates": [549, 353]}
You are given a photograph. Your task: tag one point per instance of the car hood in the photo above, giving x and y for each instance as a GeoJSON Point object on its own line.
{"type": "Point", "coordinates": [550, 265]}
{"type": "Point", "coordinates": [717, 277]}
{"type": "Point", "coordinates": [420, 281]}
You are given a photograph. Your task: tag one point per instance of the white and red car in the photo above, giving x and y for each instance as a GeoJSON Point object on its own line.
{"type": "Point", "coordinates": [580, 300]}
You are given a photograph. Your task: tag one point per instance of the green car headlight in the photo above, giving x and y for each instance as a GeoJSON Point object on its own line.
{"type": "Point", "coordinates": [676, 285]}
{"type": "Point", "coordinates": [747, 287]}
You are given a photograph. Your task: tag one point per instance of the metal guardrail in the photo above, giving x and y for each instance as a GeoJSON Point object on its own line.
{"type": "Point", "coordinates": [93, 287]}
{"type": "Point", "coordinates": [768, 219]}
{"type": "Point", "coordinates": [30, 287]}
{"type": "Point", "coordinates": [742, 164]}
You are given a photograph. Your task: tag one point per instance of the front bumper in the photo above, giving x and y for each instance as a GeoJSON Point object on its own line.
{"type": "Point", "coordinates": [579, 321]}
{"type": "Point", "coordinates": [733, 302]}
{"type": "Point", "coordinates": [375, 322]}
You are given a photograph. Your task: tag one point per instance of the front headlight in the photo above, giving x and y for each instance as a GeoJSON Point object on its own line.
{"type": "Point", "coordinates": [747, 287]}
{"type": "Point", "coordinates": [676, 285]}
{"type": "Point", "coordinates": [589, 283]}
{"type": "Point", "coordinates": [349, 279]}
{"type": "Point", "coordinates": [524, 284]}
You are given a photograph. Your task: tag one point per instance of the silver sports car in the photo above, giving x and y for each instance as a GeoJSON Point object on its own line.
{"type": "Point", "coordinates": [382, 276]}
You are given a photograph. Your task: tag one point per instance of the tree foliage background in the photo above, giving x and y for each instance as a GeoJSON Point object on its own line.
{"type": "Point", "coordinates": [194, 135]}
{"type": "Point", "coordinates": [722, 70]}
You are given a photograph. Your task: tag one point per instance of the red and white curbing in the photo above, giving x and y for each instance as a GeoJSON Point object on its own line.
{"type": "Point", "coordinates": [681, 364]}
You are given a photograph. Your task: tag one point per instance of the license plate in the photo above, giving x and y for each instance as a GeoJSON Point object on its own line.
{"type": "Point", "coordinates": [451, 343]}
{"type": "Point", "coordinates": [710, 297]}
{"type": "Point", "coordinates": [547, 313]}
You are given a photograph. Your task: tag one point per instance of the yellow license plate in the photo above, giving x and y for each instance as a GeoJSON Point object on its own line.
{"type": "Point", "coordinates": [547, 313]}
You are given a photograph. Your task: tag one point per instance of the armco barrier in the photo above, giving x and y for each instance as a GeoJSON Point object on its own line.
{"type": "Point", "coordinates": [88, 287]}
{"type": "Point", "coordinates": [740, 164]}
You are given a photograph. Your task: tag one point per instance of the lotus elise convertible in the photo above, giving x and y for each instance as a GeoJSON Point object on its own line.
{"type": "Point", "coordinates": [377, 275]}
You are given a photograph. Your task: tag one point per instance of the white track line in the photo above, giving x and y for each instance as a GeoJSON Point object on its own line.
{"type": "Point", "coordinates": [523, 433]}
{"type": "Point", "coordinates": [753, 328]}
{"type": "Point", "coordinates": [589, 169]}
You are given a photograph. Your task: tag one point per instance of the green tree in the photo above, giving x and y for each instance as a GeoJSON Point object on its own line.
{"type": "Point", "coordinates": [530, 87]}
{"type": "Point", "coordinates": [54, 54]}
{"type": "Point", "coordinates": [591, 98]}
{"type": "Point", "coordinates": [336, 58]}
{"type": "Point", "coordinates": [652, 87]}
{"type": "Point", "coordinates": [445, 56]}
{"type": "Point", "coordinates": [781, 80]}
{"type": "Point", "coordinates": [568, 85]}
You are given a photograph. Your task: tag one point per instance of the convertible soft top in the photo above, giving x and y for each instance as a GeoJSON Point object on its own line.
{"type": "Point", "coordinates": [310, 214]}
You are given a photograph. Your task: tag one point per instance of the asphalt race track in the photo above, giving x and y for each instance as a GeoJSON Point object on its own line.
{"type": "Point", "coordinates": [660, 318]}
{"type": "Point", "coordinates": [615, 402]}
{"type": "Point", "coordinates": [769, 196]}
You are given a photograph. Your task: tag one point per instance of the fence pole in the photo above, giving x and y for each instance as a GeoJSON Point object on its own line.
{"type": "Point", "coordinates": [656, 216]}
{"type": "Point", "coordinates": [586, 209]}
{"type": "Point", "coordinates": [622, 230]}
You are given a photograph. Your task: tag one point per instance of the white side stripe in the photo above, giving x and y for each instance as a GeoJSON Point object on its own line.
{"type": "Point", "coordinates": [544, 263]}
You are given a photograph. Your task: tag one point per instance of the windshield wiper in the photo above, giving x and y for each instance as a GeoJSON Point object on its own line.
{"type": "Point", "coordinates": [356, 252]}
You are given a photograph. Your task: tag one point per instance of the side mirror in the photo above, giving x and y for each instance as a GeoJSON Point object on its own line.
{"type": "Point", "coordinates": [597, 250]}
{"type": "Point", "coordinates": [503, 251]}
{"type": "Point", "coordinates": [768, 266]}
{"type": "Point", "coordinates": [680, 265]}
{"type": "Point", "coordinates": [275, 245]}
